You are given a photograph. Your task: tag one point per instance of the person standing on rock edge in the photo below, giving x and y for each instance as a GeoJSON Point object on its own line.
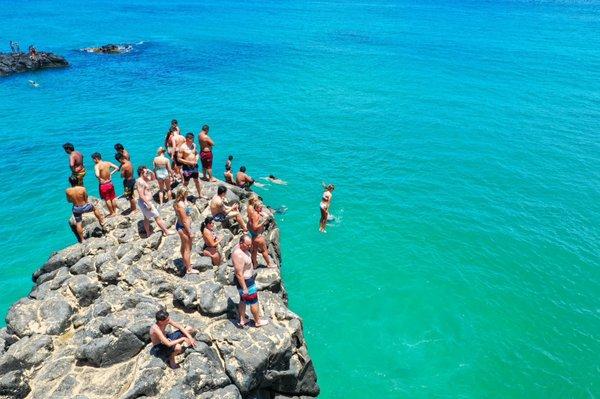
{"type": "Point", "coordinates": [257, 220]}
{"type": "Point", "coordinates": [128, 180]}
{"type": "Point", "coordinates": [104, 174]}
{"type": "Point", "coordinates": [244, 281]}
{"type": "Point", "coordinates": [206, 156]}
{"type": "Point", "coordinates": [77, 195]}
{"type": "Point", "coordinates": [176, 140]}
{"type": "Point", "coordinates": [325, 203]}
{"type": "Point", "coordinates": [75, 163]}
{"type": "Point", "coordinates": [188, 156]}
{"type": "Point", "coordinates": [168, 345]}
{"type": "Point", "coordinates": [183, 210]}
{"type": "Point", "coordinates": [145, 202]}
{"type": "Point", "coordinates": [163, 173]}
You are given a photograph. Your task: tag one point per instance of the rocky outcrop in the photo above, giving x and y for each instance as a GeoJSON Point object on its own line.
{"type": "Point", "coordinates": [11, 63]}
{"type": "Point", "coordinates": [110, 49]}
{"type": "Point", "coordinates": [83, 330]}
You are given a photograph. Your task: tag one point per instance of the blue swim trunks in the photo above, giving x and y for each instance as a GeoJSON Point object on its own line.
{"type": "Point", "coordinates": [252, 297]}
{"type": "Point", "coordinates": [162, 351]}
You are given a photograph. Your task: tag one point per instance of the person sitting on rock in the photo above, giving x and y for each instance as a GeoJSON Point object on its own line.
{"type": "Point", "coordinates": [244, 282]}
{"type": "Point", "coordinates": [221, 212]}
{"type": "Point", "coordinates": [77, 195]}
{"type": "Point", "coordinates": [257, 220]}
{"type": "Point", "coordinates": [145, 202]}
{"type": "Point", "coordinates": [128, 180]}
{"type": "Point", "coordinates": [211, 241]}
{"type": "Point", "coordinates": [243, 180]}
{"type": "Point", "coordinates": [228, 175]}
{"type": "Point", "coordinates": [183, 210]}
{"type": "Point", "coordinates": [168, 345]}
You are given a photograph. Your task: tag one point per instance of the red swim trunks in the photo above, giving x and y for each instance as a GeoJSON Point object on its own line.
{"type": "Point", "coordinates": [207, 159]}
{"type": "Point", "coordinates": [107, 191]}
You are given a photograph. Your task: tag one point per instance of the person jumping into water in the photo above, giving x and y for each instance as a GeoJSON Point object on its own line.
{"type": "Point", "coordinates": [325, 203]}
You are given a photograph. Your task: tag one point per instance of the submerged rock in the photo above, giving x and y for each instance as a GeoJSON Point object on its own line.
{"type": "Point", "coordinates": [110, 49]}
{"type": "Point", "coordinates": [11, 63]}
{"type": "Point", "coordinates": [83, 332]}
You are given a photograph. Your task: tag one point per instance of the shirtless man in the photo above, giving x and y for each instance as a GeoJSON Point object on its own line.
{"type": "Point", "coordinates": [206, 156]}
{"type": "Point", "coordinates": [243, 180]}
{"type": "Point", "coordinates": [244, 282]}
{"type": "Point", "coordinates": [121, 150]}
{"type": "Point", "coordinates": [145, 202]}
{"type": "Point", "coordinates": [228, 175]}
{"type": "Point", "coordinates": [168, 345]}
{"type": "Point", "coordinates": [75, 163]}
{"type": "Point", "coordinates": [77, 195]}
{"type": "Point", "coordinates": [188, 156]}
{"type": "Point", "coordinates": [257, 220]}
{"type": "Point", "coordinates": [221, 212]}
{"type": "Point", "coordinates": [107, 190]}
{"type": "Point", "coordinates": [176, 141]}
{"type": "Point", "coordinates": [128, 180]}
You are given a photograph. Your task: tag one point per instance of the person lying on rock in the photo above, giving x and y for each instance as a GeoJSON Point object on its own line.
{"type": "Point", "coordinates": [168, 345]}
{"type": "Point", "coordinates": [244, 281]}
{"type": "Point", "coordinates": [221, 212]}
{"type": "Point", "coordinates": [77, 195]}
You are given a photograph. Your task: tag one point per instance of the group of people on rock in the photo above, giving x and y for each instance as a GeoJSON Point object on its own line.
{"type": "Point", "coordinates": [176, 164]}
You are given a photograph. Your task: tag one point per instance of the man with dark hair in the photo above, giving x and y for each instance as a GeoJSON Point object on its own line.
{"type": "Point", "coordinates": [121, 150]}
{"type": "Point", "coordinates": [77, 195]}
{"type": "Point", "coordinates": [107, 189]}
{"type": "Point", "coordinates": [228, 175]}
{"type": "Point", "coordinates": [175, 126]}
{"type": "Point", "coordinates": [75, 163]}
{"type": "Point", "coordinates": [188, 156]}
{"type": "Point", "coordinates": [221, 212]}
{"type": "Point", "coordinates": [168, 345]}
{"type": "Point", "coordinates": [206, 156]}
{"type": "Point", "coordinates": [145, 202]}
{"type": "Point", "coordinates": [128, 180]}
{"type": "Point", "coordinates": [243, 180]}
{"type": "Point", "coordinates": [244, 281]}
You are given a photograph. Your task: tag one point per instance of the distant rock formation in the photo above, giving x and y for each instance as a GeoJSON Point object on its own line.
{"type": "Point", "coordinates": [15, 63]}
{"type": "Point", "coordinates": [83, 330]}
{"type": "Point", "coordinates": [110, 49]}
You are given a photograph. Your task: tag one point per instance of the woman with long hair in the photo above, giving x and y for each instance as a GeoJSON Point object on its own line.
{"type": "Point", "coordinates": [163, 173]}
{"type": "Point", "coordinates": [211, 241]}
{"type": "Point", "coordinates": [183, 210]}
{"type": "Point", "coordinates": [256, 229]}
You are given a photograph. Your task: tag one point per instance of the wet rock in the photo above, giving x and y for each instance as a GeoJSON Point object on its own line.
{"type": "Point", "coordinates": [22, 62]}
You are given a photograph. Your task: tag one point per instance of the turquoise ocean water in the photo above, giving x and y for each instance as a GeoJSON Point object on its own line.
{"type": "Point", "coordinates": [463, 138]}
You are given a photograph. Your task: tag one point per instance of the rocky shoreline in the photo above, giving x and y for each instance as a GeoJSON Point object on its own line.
{"type": "Point", "coordinates": [11, 63]}
{"type": "Point", "coordinates": [83, 330]}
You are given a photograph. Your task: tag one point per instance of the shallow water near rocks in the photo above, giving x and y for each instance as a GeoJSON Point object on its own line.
{"type": "Point", "coordinates": [462, 139]}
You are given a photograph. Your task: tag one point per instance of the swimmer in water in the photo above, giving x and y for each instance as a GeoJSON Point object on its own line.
{"type": "Point", "coordinates": [33, 83]}
{"type": "Point", "coordinates": [276, 180]}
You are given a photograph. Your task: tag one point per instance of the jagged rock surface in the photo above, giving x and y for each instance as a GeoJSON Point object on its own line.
{"type": "Point", "coordinates": [15, 63]}
{"type": "Point", "coordinates": [83, 330]}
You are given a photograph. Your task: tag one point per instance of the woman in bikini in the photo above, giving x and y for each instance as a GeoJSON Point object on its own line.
{"type": "Point", "coordinates": [256, 228]}
{"type": "Point", "coordinates": [183, 210]}
{"type": "Point", "coordinates": [325, 203]}
{"type": "Point", "coordinates": [163, 172]}
{"type": "Point", "coordinates": [211, 241]}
